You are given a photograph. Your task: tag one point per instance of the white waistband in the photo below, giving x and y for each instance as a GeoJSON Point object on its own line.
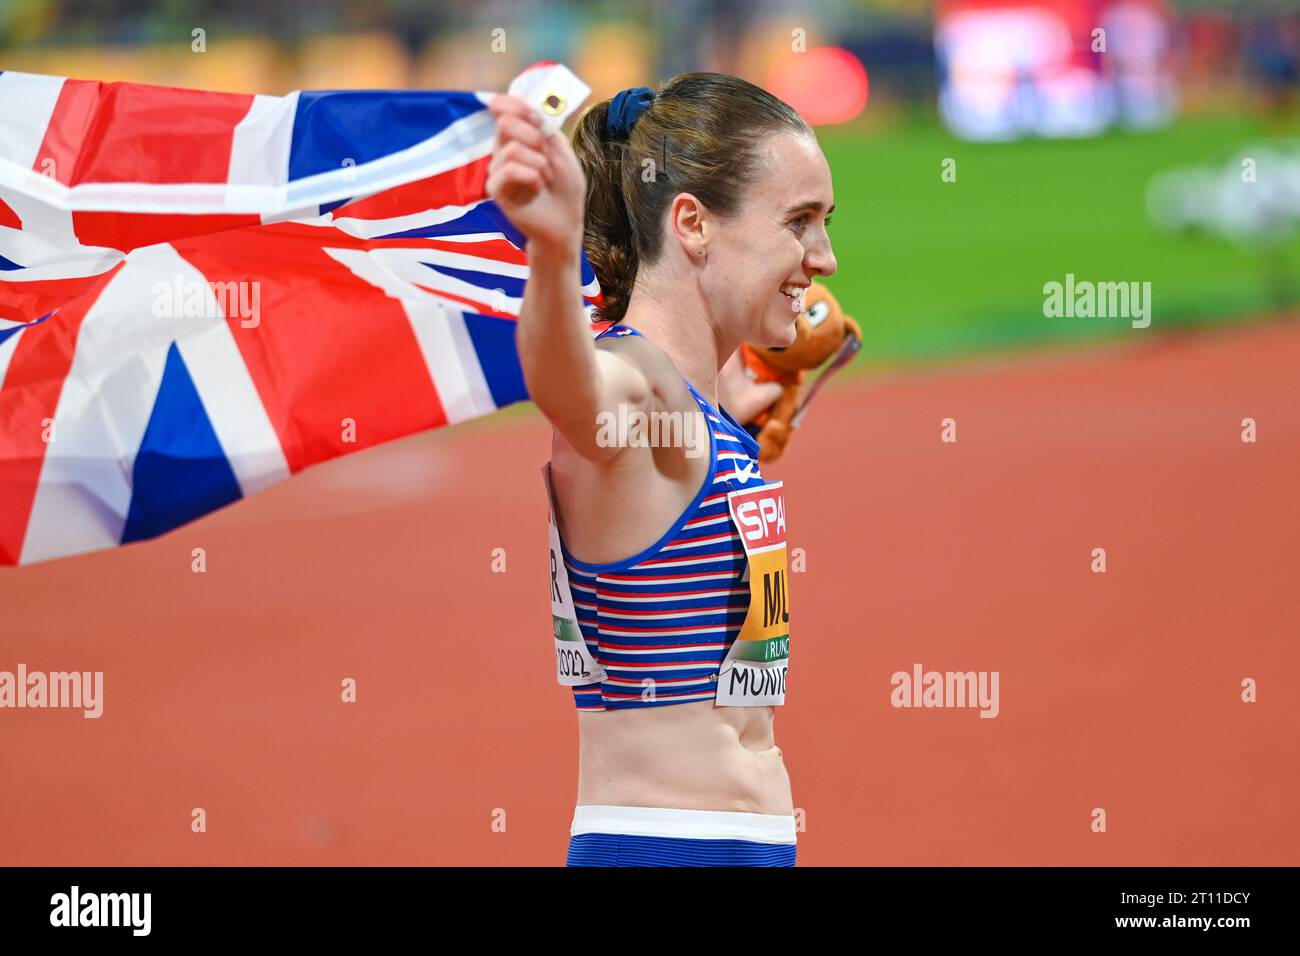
{"type": "Point", "coordinates": [685, 824]}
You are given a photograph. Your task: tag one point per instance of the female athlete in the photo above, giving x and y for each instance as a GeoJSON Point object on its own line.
{"type": "Point", "coordinates": [703, 209]}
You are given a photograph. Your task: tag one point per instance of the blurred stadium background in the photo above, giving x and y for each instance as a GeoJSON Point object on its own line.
{"type": "Point", "coordinates": [1055, 144]}
{"type": "Point", "coordinates": [1170, 158]}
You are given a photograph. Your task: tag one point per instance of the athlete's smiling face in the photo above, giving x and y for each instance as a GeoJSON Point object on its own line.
{"type": "Point", "coordinates": [775, 244]}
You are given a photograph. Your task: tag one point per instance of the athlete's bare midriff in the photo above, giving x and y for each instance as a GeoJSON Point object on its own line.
{"type": "Point", "coordinates": [695, 756]}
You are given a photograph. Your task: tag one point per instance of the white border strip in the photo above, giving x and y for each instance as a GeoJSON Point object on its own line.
{"type": "Point", "coordinates": [263, 139]}
{"type": "Point", "coordinates": [7, 349]}
{"type": "Point", "coordinates": [27, 102]}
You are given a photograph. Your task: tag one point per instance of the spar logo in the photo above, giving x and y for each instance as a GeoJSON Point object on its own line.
{"type": "Point", "coordinates": [760, 515]}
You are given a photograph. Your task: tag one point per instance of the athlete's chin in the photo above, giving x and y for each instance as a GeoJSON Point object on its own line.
{"type": "Point", "coordinates": [781, 331]}
{"type": "Point", "coordinates": [776, 329]}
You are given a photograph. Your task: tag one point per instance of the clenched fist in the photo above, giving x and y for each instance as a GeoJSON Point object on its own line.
{"type": "Point", "coordinates": [535, 179]}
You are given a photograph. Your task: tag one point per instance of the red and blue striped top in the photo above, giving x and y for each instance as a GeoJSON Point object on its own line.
{"type": "Point", "coordinates": [660, 622]}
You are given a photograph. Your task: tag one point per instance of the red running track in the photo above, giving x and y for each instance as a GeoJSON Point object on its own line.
{"type": "Point", "coordinates": [1119, 691]}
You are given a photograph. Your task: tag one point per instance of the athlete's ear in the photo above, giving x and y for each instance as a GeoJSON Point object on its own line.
{"type": "Point", "coordinates": [687, 217]}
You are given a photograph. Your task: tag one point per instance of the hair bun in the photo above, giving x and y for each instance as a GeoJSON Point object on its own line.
{"type": "Point", "coordinates": [625, 108]}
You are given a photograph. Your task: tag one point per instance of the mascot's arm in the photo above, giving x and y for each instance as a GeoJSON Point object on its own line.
{"type": "Point", "coordinates": [775, 433]}
{"type": "Point", "coordinates": [742, 397]}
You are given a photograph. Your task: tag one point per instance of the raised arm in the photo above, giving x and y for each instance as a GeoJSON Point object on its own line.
{"type": "Point", "coordinates": [537, 182]}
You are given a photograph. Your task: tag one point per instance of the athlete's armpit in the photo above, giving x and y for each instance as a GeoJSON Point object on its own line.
{"type": "Point", "coordinates": [620, 387]}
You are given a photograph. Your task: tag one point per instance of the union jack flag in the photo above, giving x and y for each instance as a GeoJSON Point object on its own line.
{"type": "Point", "coordinates": [203, 293]}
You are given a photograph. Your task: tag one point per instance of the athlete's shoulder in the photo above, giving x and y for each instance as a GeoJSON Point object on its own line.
{"type": "Point", "coordinates": [652, 361]}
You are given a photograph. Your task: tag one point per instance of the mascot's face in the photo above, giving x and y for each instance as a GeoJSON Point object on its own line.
{"type": "Point", "coordinates": [777, 241]}
{"type": "Point", "coordinates": [821, 328]}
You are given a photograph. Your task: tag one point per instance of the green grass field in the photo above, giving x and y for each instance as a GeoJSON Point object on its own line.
{"type": "Point", "coordinates": [937, 269]}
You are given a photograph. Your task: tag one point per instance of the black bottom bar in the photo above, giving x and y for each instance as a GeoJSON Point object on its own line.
{"type": "Point", "coordinates": [330, 904]}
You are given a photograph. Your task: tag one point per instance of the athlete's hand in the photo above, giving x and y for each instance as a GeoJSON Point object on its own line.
{"type": "Point", "coordinates": [743, 398]}
{"type": "Point", "coordinates": [535, 178]}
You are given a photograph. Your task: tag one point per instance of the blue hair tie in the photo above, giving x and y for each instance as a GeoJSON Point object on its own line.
{"type": "Point", "coordinates": [625, 108]}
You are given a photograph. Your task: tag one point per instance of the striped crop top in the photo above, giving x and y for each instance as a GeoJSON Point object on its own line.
{"type": "Point", "coordinates": [701, 614]}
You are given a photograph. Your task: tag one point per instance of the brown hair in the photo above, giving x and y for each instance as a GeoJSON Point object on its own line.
{"type": "Point", "coordinates": [699, 133]}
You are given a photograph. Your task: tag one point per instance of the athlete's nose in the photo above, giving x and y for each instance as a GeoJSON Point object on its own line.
{"type": "Point", "coordinates": [820, 259]}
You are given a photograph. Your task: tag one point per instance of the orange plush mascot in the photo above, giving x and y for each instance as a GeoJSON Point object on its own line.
{"type": "Point", "coordinates": [823, 331]}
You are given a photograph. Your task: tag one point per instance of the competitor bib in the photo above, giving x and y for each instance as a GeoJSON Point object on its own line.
{"type": "Point", "coordinates": [574, 664]}
{"type": "Point", "coordinates": [754, 670]}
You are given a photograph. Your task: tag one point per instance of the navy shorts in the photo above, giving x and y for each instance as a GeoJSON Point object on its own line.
{"type": "Point", "coordinates": [651, 836]}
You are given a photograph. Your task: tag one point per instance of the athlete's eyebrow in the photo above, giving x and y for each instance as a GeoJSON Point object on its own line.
{"type": "Point", "coordinates": [809, 205]}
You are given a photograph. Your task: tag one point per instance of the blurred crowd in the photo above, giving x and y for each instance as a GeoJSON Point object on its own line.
{"type": "Point", "coordinates": [997, 59]}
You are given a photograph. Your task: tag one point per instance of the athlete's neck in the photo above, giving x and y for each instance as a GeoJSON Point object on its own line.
{"type": "Point", "coordinates": [684, 333]}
